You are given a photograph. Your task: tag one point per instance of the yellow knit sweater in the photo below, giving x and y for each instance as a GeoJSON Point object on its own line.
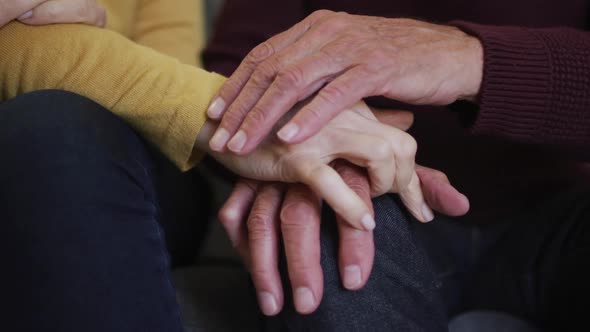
{"type": "Point", "coordinates": [142, 68]}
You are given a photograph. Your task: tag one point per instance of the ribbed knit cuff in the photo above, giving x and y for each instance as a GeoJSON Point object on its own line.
{"type": "Point", "coordinates": [178, 141]}
{"type": "Point", "coordinates": [516, 88]}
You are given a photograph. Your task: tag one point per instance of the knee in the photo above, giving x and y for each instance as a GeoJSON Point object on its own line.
{"type": "Point", "coordinates": [50, 124]}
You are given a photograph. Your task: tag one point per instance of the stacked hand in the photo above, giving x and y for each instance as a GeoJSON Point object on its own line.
{"type": "Point", "coordinates": [356, 135]}
{"type": "Point", "coordinates": [258, 215]}
{"type": "Point", "coordinates": [342, 58]}
{"type": "Point", "coordinates": [335, 59]}
{"type": "Point", "coordinates": [40, 12]}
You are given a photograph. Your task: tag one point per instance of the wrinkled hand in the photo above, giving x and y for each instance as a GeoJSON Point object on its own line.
{"type": "Point", "coordinates": [41, 12]}
{"type": "Point", "coordinates": [346, 58]}
{"type": "Point", "coordinates": [355, 135]}
{"type": "Point", "coordinates": [257, 215]}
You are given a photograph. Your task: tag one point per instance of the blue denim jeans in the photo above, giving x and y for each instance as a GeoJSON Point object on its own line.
{"type": "Point", "coordinates": [84, 206]}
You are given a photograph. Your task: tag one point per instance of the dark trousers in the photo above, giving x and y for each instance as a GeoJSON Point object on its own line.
{"type": "Point", "coordinates": [90, 214]}
{"type": "Point", "coordinates": [535, 266]}
{"type": "Point", "coordinates": [84, 206]}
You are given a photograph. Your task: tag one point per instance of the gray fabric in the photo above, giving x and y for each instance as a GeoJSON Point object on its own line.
{"type": "Point", "coordinates": [401, 294]}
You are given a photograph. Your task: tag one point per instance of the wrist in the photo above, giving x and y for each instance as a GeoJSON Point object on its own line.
{"type": "Point", "coordinates": [474, 69]}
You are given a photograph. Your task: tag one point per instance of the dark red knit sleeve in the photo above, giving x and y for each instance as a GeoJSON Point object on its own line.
{"type": "Point", "coordinates": [243, 24]}
{"type": "Point", "coordinates": [536, 84]}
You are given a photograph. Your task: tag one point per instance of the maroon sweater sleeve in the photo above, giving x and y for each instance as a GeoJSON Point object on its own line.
{"type": "Point", "coordinates": [242, 25]}
{"type": "Point", "coordinates": [536, 84]}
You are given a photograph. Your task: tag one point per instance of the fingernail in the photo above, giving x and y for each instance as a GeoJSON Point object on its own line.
{"type": "Point", "coordinates": [352, 277]}
{"type": "Point", "coordinates": [26, 15]}
{"type": "Point", "coordinates": [216, 108]}
{"type": "Point", "coordinates": [304, 300]}
{"type": "Point", "coordinates": [368, 222]}
{"type": "Point", "coordinates": [267, 302]}
{"type": "Point", "coordinates": [219, 139]}
{"type": "Point", "coordinates": [288, 132]}
{"type": "Point", "coordinates": [427, 213]}
{"type": "Point", "coordinates": [237, 143]}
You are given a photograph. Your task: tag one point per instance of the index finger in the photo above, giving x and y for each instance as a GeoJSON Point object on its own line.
{"type": "Point", "coordinates": [324, 181]}
{"type": "Point", "coordinates": [10, 10]}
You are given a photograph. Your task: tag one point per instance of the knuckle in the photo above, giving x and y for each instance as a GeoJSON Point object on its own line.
{"type": "Point", "coordinates": [315, 113]}
{"type": "Point", "coordinates": [358, 183]}
{"type": "Point", "coordinates": [303, 171]}
{"type": "Point", "coordinates": [377, 53]}
{"type": "Point", "coordinates": [334, 51]}
{"type": "Point", "coordinates": [289, 78]}
{"type": "Point", "coordinates": [229, 88]}
{"type": "Point", "coordinates": [382, 151]}
{"type": "Point", "coordinates": [260, 273]}
{"type": "Point", "coordinates": [408, 147]}
{"type": "Point", "coordinates": [359, 187]}
{"type": "Point", "coordinates": [234, 116]}
{"type": "Point", "coordinates": [259, 226]}
{"type": "Point", "coordinates": [303, 268]}
{"type": "Point", "coordinates": [332, 93]}
{"type": "Point", "coordinates": [256, 117]}
{"type": "Point", "coordinates": [338, 21]}
{"type": "Point", "coordinates": [296, 215]}
{"type": "Point", "coordinates": [263, 75]}
{"type": "Point", "coordinates": [364, 192]}
{"type": "Point", "coordinates": [318, 17]}
{"type": "Point", "coordinates": [369, 69]}
{"type": "Point", "coordinates": [226, 218]}
{"type": "Point", "coordinates": [260, 53]}
{"type": "Point", "coordinates": [320, 13]}
{"type": "Point", "coordinates": [439, 175]}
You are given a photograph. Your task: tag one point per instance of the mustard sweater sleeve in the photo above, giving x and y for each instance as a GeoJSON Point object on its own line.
{"type": "Point", "coordinates": [173, 27]}
{"type": "Point", "coordinates": [164, 100]}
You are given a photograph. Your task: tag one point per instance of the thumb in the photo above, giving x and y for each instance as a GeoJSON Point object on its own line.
{"type": "Point", "coordinates": [440, 194]}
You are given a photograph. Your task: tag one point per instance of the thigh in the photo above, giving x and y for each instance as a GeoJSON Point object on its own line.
{"type": "Point", "coordinates": [185, 205]}
{"type": "Point", "coordinates": [540, 266]}
{"type": "Point", "coordinates": [81, 245]}
{"type": "Point", "coordinates": [401, 294]}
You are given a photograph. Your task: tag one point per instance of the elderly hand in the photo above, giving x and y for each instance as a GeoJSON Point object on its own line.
{"type": "Point", "coordinates": [346, 58]}
{"type": "Point", "coordinates": [355, 135]}
{"type": "Point", "coordinates": [256, 215]}
{"type": "Point", "coordinates": [40, 12]}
